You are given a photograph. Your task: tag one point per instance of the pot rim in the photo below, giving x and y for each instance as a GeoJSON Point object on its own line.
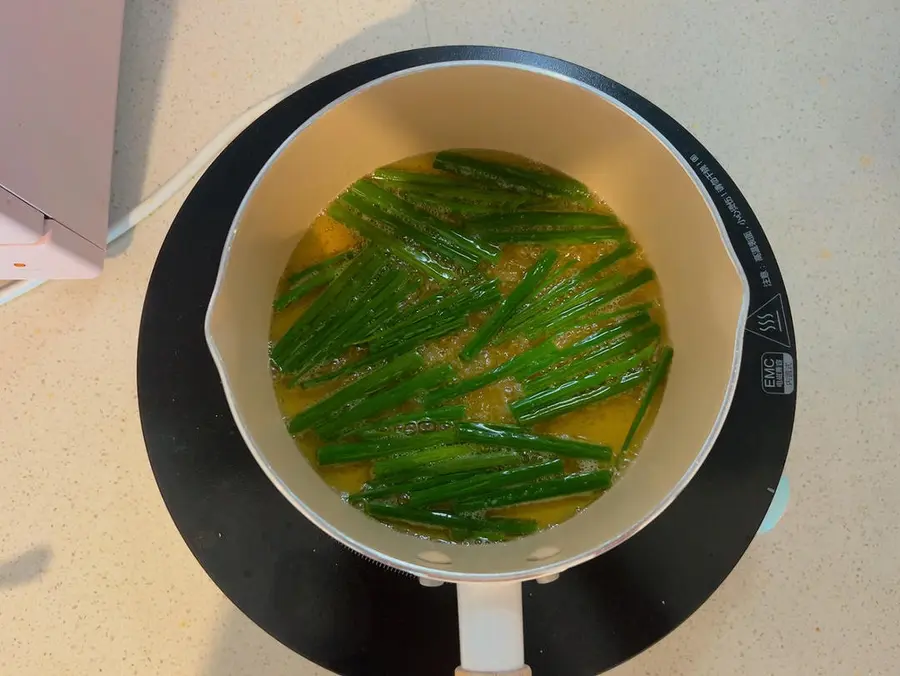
{"type": "Point", "coordinates": [432, 571]}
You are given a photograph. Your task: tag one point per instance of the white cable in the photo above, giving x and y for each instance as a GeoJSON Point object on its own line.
{"type": "Point", "coordinates": [168, 189]}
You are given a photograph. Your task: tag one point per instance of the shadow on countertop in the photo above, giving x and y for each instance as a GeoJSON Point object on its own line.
{"type": "Point", "coordinates": [24, 568]}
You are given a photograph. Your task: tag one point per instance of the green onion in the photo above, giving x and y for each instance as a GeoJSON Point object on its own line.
{"type": "Point", "coordinates": [419, 259]}
{"type": "Point", "coordinates": [624, 250]}
{"type": "Point", "coordinates": [564, 391]}
{"type": "Point", "coordinates": [386, 400]}
{"type": "Point", "coordinates": [420, 323]}
{"type": "Point", "coordinates": [450, 305]}
{"type": "Point", "coordinates": [329, 263]}
{"type": "Point", "coordinates": [370, 302]}
{"type": "Point", "coordinates": [587, 363]}
{"type": "Point", "coordinates": [522, 292]}
{"type": "Point", "coordinates": [404, 486]}
{"type": "Point", "coordinates": [456, 193]}
{"type": "Point", "coordinates": [415, 177]}
{"type": "Point", "coordinates": [378, 448]}
{"type": "Point", "coordinates": [519, 437]}
{"type": "Point", "coordinates": [436, 242]}
{"type": "Point", "coordinates": [312, 278]}
{"type": "Point", "coordinates": [530, 220]}
{"type": "Point", "coordinates": [471, 462]}
{"type": "Point", "coordinates": [327, 332]}
{"type": "Point", "coordinates": [517, 178]}
{"type": "Point", "coordinates": [585, 306]}
{"type": "Point", "coordinates": [459, 210]}
{"type": "Point", "coordinates": [627, 382]}
{"type": "Point", "coordinates": [527, 361]}
{"type": "Point", "coordinates": [418, 462]}
{"type": "Point", "coordinates": [589, 342]}
{"type": "Point", "coordinates": [660, 369]}
{"type": "Point", "coordinates": [572, 484]}
{"type": "Point", "coordinates": [555, 235]}
{"type": "Point", "coordinates": [536, 359]}
{"type": "Point", "coordinates": [466, 248]}
{"type": "Point", "coordinates": [354, 391]}
{"type": "Point", "coordinates": [599, 317]}
{"type": "Point", "coordinates": [423, 517]}
{"type": "Point", "coordinates": [550, 309]}
{"type": "Point", "coordinates": [389, 424]}
{"type": "Point", "coordinates": [478, 484]}
{"type": "Point", "coordinates": [299, 331]}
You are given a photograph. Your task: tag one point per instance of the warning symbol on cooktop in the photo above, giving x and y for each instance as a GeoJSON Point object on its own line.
{"type": "Point", "coordinates": [769, 321]}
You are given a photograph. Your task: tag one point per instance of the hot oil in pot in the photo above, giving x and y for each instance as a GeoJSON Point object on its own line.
{"type": "Point", "coordinates": [606, 422]}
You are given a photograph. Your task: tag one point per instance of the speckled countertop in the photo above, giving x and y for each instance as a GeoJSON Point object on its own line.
{"type": "Point", "coordinates": [798, 100]}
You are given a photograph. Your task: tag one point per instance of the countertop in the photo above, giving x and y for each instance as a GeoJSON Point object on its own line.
{"type": "Point", "coordinates": [797, 100]}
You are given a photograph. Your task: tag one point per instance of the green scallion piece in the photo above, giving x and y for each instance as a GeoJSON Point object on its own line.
{"type": "Point", "coordinates": [530, 220]}
{"type": "Point", "coordinates": [390, 424]}
{"type": "Point", "coordinates": [556, 408]}
{"type": "Point", "coordinates": [541, 355]}
{"type": "Point", "coordinates": [554, 235]}
{"type": "Point", "coordinates": [466, 248]}
{"type": "Point", "coordinates": [416, 177]}
{"type": "Point", "coordinates": [564, 391]}
{"type": "Point", "coordinates": [473, 462]}
{"type": "Point", "coordinates": [522, 179]}
{"type": "Point", "coordinates": [392, 487]}
{"type": "Point", "coordinates": [379, 448]}
{"type": "Point", "coordinates": [357, 389]}
{"type": "Point", "coordinates": [548, 489]}
{"type": "Point", "coordinates": [332, 262]}
{"type": "Point", "coordinates": [524, 289]}
{"type": "Point", "coordinates": [299, 331]}
{"type": "Point", "coordinates": [451, 194]}
{"type": "Point", "coordinates": [484, 482]}
{"type": "Point", "coordinates": [417, 463]}
{"type": "Point", "coordinates": [417, 258]}
{"type": "Point", "coordinates": [386, 400]}
{"type": "Point", "coordinates": [514, 436]}
{"type": "Point", "coordinates": [421, 517]}
{"type": "Point", "coordinates": [606, 261]}
{"type": "Point", "coordinates": [587, 306]}
{"type": "Point", "coordinates": [328, 331]}
{"type": "Point", "coordinates": [660, 370]}
{"type": "Point", "coordinates": [588, 363]}
{"type": "Point", "coordinates": [314, 277]}
{"type": "Point", "coordinates": [600, 317]}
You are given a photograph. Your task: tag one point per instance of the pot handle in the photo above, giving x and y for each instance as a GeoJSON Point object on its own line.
{"type": "Point", "coordinates": [491, 639]}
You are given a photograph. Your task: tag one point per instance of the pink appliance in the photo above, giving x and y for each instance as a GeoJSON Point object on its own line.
{"type": "Point", "coordinates": [59, 66]}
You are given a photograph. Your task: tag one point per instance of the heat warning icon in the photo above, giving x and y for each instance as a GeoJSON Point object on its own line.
{"type": "Point", "coordinates": [769, 321]}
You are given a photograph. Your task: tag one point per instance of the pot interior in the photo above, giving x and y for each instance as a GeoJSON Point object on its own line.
{"type": "Point", "coordinates": [546, 118]}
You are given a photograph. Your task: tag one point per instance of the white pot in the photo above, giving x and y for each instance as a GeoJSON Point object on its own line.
{"type": "Point", "coordinates": [573, 128]}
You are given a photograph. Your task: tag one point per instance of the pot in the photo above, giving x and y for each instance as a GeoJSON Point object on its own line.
{"type": "Point", "coordinates": [566, 125]}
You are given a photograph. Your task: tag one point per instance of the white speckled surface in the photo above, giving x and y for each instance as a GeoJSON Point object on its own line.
{"type": "Point", "coordinates": [798, 101]}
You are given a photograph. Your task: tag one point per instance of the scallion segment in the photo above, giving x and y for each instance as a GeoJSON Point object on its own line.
{"type": "Point", "coordinates": [386, 399]}
{"type": "Point", "coordinates": [334, 454]}
{"type": "Point", "coordinates": [422, 517]}
{"type": "Point", "coordinates": [660, 370]}
{"type": "Point", "coordinates": [578, 400]}
{"type": "Point", "coordinates": [309, 279]}
{"type": "Point", "coordinates": [580, 383]}
{"type": "Point", "coordinates": [481, 483]}
{"type": "Point", "coordinates": [548, 489]}
{"type": "Point", "coordinates": [514, 436]}
{"type": "Point", "coordinates": [523, 179]}
{"type": "Point", "coordinates": [524, 289]}
{"type": "Point", "coordinates": [419, 259]}
{"type": "Point", "coordinates": [355, 391]}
